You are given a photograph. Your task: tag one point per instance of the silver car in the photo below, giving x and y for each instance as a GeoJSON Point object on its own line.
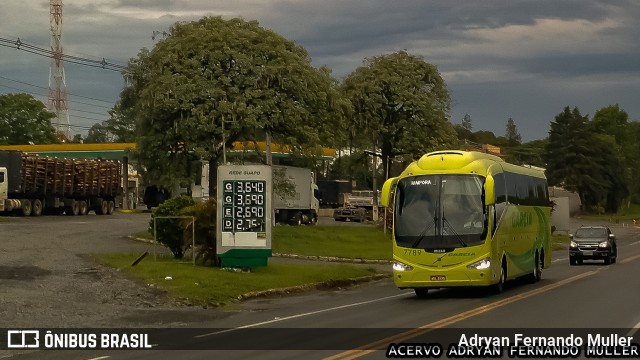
{"type": "Point", "coordinates": [593, 242]}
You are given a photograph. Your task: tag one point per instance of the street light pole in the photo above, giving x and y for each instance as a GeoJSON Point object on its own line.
{"type": "Point", "coordinates": [268, 150]}
{"type": "Point", "coordinates": [224, 145]}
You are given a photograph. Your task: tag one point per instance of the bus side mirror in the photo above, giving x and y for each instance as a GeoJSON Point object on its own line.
{"type": "Point", "coordinates": [387, 190]}
{"type": "Point", "coordinates": [489, 191]}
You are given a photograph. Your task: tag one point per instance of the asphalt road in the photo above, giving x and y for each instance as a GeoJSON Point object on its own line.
{"type": "Point", "coordinates": [376, 314]}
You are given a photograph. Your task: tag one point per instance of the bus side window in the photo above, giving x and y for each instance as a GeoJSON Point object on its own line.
{"type": "Point", "coordinates": [499, 188]}
{"type": "Point", "coordinates": [1, 177]}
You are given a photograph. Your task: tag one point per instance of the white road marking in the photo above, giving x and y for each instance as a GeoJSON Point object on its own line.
{"type": "Point", "coordinates": [100, 358]}
{"type": "Point", "coordinates": [634, 330]}
{"type": "Point", "coordinates": [635, 243]}
{"type": "Point", "coordinates": [561, 259]}
{"type": "Point", "coordinates": [301, 315]}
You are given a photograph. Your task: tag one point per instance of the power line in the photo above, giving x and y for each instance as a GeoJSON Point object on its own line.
{"type": "Point", "coordinates": [44, 95]}
{"type": "Point", "coordinates": [74, 110]}
{"type": "Point", "coordinates": [45, 88]}
{"type": "Point", "coordinates": [20, 45]}
{"type": "Point", "coordinates": [74, 126]}
{"type": "Point", "coordinates": [58, 56]}
{"type": "Point", "coordinates": [88, 112]}
{"type": "Point", "coordinates": [88, 118]}
{"type": "Point", "coordinates": [66, 48]}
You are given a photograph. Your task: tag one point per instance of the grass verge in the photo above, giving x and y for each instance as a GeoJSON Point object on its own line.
{"type": "Point", "coordinates": [559, 242]}
{"type": "Point", "coordinates": [626, 214]}
{"type": "Point", "coordinates": [214, 286]}
{"type": "Point", "coordinates": [357, 242]}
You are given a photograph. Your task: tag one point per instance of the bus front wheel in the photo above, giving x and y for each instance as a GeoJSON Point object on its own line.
{"type": "Point", "coordinates": [499, 287]}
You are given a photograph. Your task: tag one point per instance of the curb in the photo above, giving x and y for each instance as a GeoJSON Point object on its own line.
{"type": "Point", "coordinates": [330, 284]}
{"type": "Point", "coordinates": [134, 211]}
{"type": "Point", "coordinates": [148, 241]}
{"type": "Point", "coordinates": [333, 259]}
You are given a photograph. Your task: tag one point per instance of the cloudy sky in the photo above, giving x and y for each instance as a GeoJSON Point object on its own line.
{"type": "Point", "coordinates": [520, 59]}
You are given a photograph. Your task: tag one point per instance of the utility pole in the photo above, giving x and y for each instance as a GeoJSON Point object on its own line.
{"type": "Point", "coordinates": [269, 158]}
{"type": "Point", "coordinates": [224, 145]}
{"type": "Point", "coordinates": [57, 99]}
{"type": "Point", "coordinates": [374, 159]}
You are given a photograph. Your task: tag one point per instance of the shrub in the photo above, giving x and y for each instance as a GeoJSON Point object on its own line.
{"type": "Point", "coordinates": [205, 230]}
{"type": "Point", "coordinates": [170, 232]}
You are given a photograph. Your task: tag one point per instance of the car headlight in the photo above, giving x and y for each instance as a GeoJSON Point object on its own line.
{"type": "Point", "coordinates": [398, 266]}
{"type": "Point", "coordinates": [604, 244]}
{"type": "Point", "coordinates": [480, 264]}
{"type": "Point", "coordinates": [573, 244]}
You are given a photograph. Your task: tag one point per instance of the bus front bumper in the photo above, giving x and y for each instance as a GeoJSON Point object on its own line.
{"type": "Point", "coordinates": [441, 278]}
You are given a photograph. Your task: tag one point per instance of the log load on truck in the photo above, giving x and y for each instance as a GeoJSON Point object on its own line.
{"type": "Point", "coordinates": [36, 185]}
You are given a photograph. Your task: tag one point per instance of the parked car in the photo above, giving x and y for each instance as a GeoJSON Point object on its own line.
{"type": "Point", "coordinates": [593, 242]}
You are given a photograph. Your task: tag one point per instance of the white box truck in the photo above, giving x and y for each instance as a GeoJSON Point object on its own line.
{"type": "Point", "coordinates": [299, 206]}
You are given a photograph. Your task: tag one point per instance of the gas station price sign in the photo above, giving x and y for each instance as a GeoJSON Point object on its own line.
{"type": "Point", "coordinates": [244, 215]}
{"type": "Point", "coordinates": [244, 206]}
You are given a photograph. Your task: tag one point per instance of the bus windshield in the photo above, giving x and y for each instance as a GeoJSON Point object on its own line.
{"type": "Point", "coordinates": [435, 212]}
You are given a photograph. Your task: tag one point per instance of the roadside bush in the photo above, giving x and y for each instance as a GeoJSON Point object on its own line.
{"type": "Point", "coordinates": [170, 232]}
{"type": "Point", "coordinates": [205, 230]}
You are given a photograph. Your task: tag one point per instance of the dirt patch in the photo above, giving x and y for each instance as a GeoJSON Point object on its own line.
{"type": "Point", "coordinates": [22, 273]}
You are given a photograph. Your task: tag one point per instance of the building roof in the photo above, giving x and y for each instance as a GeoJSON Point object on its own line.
{"type": "Point", "coordinates": [120, 150]}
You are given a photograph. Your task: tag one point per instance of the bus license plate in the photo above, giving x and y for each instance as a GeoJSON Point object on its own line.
{"type": "Point", "coordinates": [438, 278]}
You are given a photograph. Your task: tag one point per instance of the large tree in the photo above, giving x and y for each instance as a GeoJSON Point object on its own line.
{"type": "Point", "coordinates": [631, 150]}
{"type": "Point", "coordinates": [401, 106]}
{"type": "Point", "coordinates": [122, 123]}
{"type": "Point", "coordinates": [216, 74]}
{"type": "Point", "coordinates": [581, 161]}
{"type": "Point", "coordinates": [25, 120]}
{"type": "Point", "coordinates": [612, 125]}
{"type": "Point", "coordinates": [611, 120]}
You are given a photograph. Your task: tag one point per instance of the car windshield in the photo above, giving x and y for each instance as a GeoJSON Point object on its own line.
{"type": "Point", "coordinates": [440, 211]}
{"type": "Point", "coordinates": [593, 232]}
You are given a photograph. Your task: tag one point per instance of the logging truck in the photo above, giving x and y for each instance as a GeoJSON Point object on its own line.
{"type": "Point", "coordinates": [35, 185]}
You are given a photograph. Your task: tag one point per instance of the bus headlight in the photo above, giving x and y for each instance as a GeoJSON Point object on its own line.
{"type": "Point", "coordinates": [481, 264]}
{"type": "Point", "coordinates": [398, 266]}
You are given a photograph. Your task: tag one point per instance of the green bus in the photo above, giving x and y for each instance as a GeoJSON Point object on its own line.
{"type": "Point", "coordinates": [467, 218]}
